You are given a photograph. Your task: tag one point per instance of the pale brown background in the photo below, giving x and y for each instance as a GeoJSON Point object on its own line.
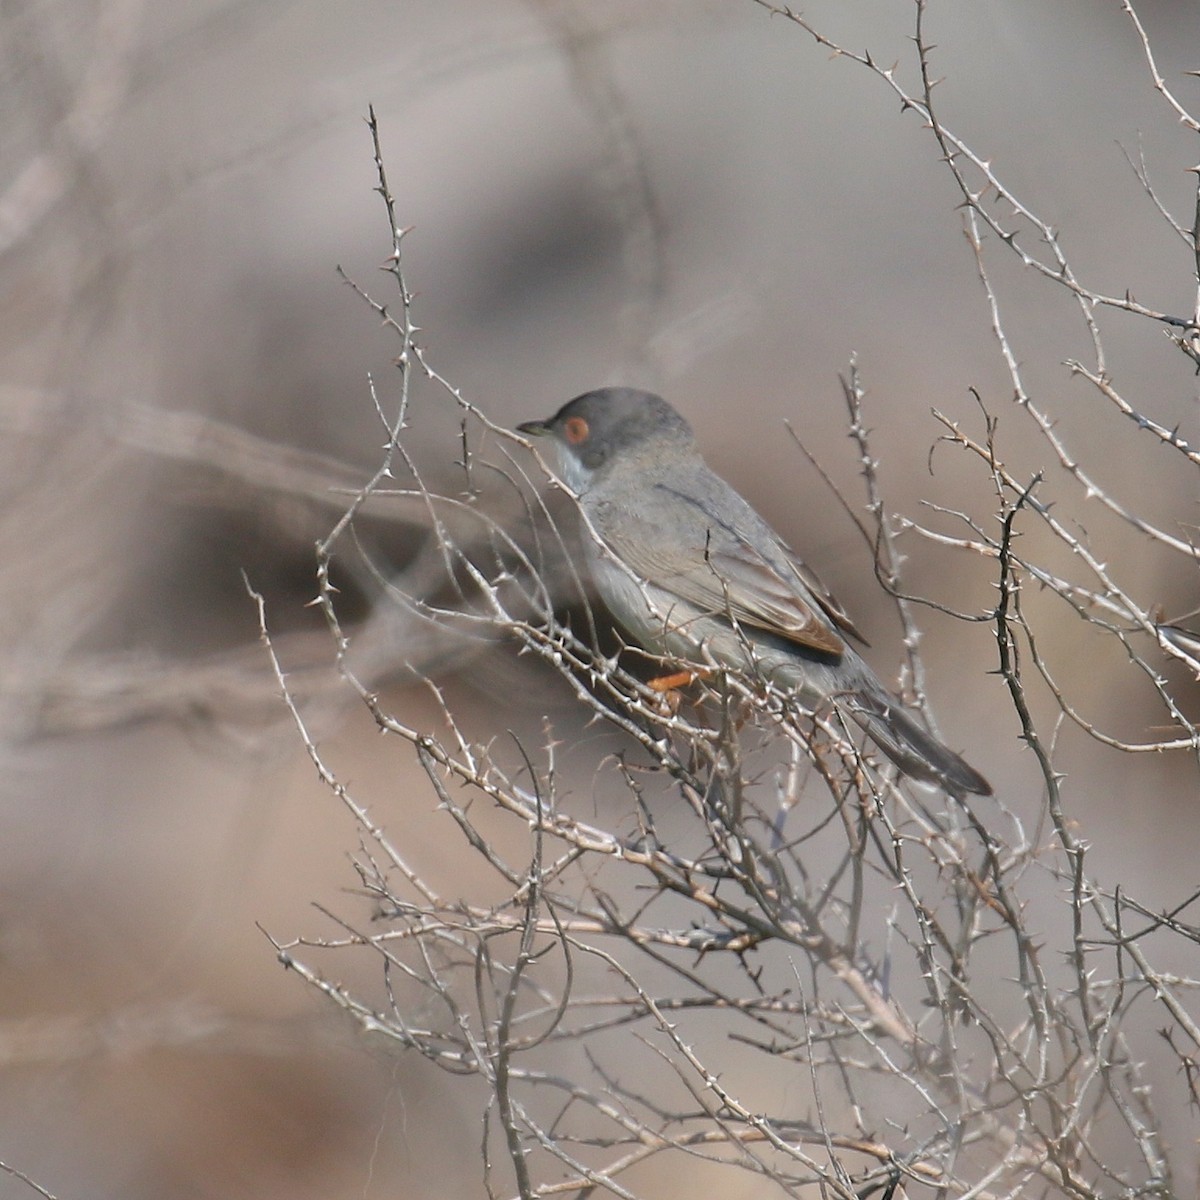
{"type": "Point", "coordinates": [177, 184]}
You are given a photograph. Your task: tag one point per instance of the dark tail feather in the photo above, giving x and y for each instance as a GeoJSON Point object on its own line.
{"type": "Point", "coordinates": [913, 749]}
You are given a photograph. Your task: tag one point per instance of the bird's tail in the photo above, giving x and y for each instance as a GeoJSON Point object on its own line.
{"type": "Point", "coordinates": [913, 749]}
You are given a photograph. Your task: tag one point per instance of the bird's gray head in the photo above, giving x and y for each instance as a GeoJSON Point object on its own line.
{"type": "Point", "coordinates": [599, 428]}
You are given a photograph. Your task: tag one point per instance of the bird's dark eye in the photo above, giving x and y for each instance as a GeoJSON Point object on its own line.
{"type": "Point", "coordinates": [575, 430]}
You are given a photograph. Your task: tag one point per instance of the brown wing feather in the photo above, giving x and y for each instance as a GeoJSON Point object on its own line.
{"type": "Point", "coordinates": [825, 598]}
{"type": "Point", "coordinates": [734, 581]}
{"type": "Point", "coordinates": [757, 594]}
{"type": "Point", "coordinates": [714, 563]}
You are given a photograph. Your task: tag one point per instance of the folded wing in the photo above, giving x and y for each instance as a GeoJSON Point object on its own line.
{"type": "Point", "coordinates": [718, 570]}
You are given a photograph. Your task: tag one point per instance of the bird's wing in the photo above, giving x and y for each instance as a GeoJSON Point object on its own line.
{"type": "Point", "coordinates": [759, 593]}
{"type": "Point", "coordinates": [715, 566]}
{"type": "Point", "coordinates": [824, 597]}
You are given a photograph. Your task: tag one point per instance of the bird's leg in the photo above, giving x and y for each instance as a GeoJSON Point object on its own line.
{"type": "Point", "coordinates": [676, 680]}
{"type": "Point", "coordinates": [669, 687]}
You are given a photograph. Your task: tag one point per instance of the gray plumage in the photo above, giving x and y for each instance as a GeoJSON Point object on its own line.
{"type": "Point", "coordinates": [694, 574]}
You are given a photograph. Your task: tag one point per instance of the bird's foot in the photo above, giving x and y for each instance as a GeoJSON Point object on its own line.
{"type": "Point", "coordinates": [670, 687]}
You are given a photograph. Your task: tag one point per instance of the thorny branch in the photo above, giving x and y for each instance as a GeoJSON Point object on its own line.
{"type": "Point", "coordinates": [889, 962]}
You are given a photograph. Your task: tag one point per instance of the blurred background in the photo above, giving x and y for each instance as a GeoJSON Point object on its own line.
{"type": "Point", "coordinates": [692, 197]}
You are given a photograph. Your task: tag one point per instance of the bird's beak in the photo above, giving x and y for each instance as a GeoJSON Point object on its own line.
{"type": "Point", "coordinates": [534, 428]}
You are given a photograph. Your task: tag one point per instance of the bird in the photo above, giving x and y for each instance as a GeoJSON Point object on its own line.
{"type": "Point", "coordinates": [697, 577]}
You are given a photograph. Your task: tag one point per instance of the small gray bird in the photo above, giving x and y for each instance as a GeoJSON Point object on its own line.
{"type": "Point", "coordinates": [694, 574]}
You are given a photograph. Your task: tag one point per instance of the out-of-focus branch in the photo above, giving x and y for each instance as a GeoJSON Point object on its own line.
{"type": "Point", "coordinates": [46, 178]}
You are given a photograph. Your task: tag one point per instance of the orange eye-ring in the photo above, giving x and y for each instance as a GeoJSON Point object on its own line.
{"type": "Point", "coordinates": [575, 430]}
